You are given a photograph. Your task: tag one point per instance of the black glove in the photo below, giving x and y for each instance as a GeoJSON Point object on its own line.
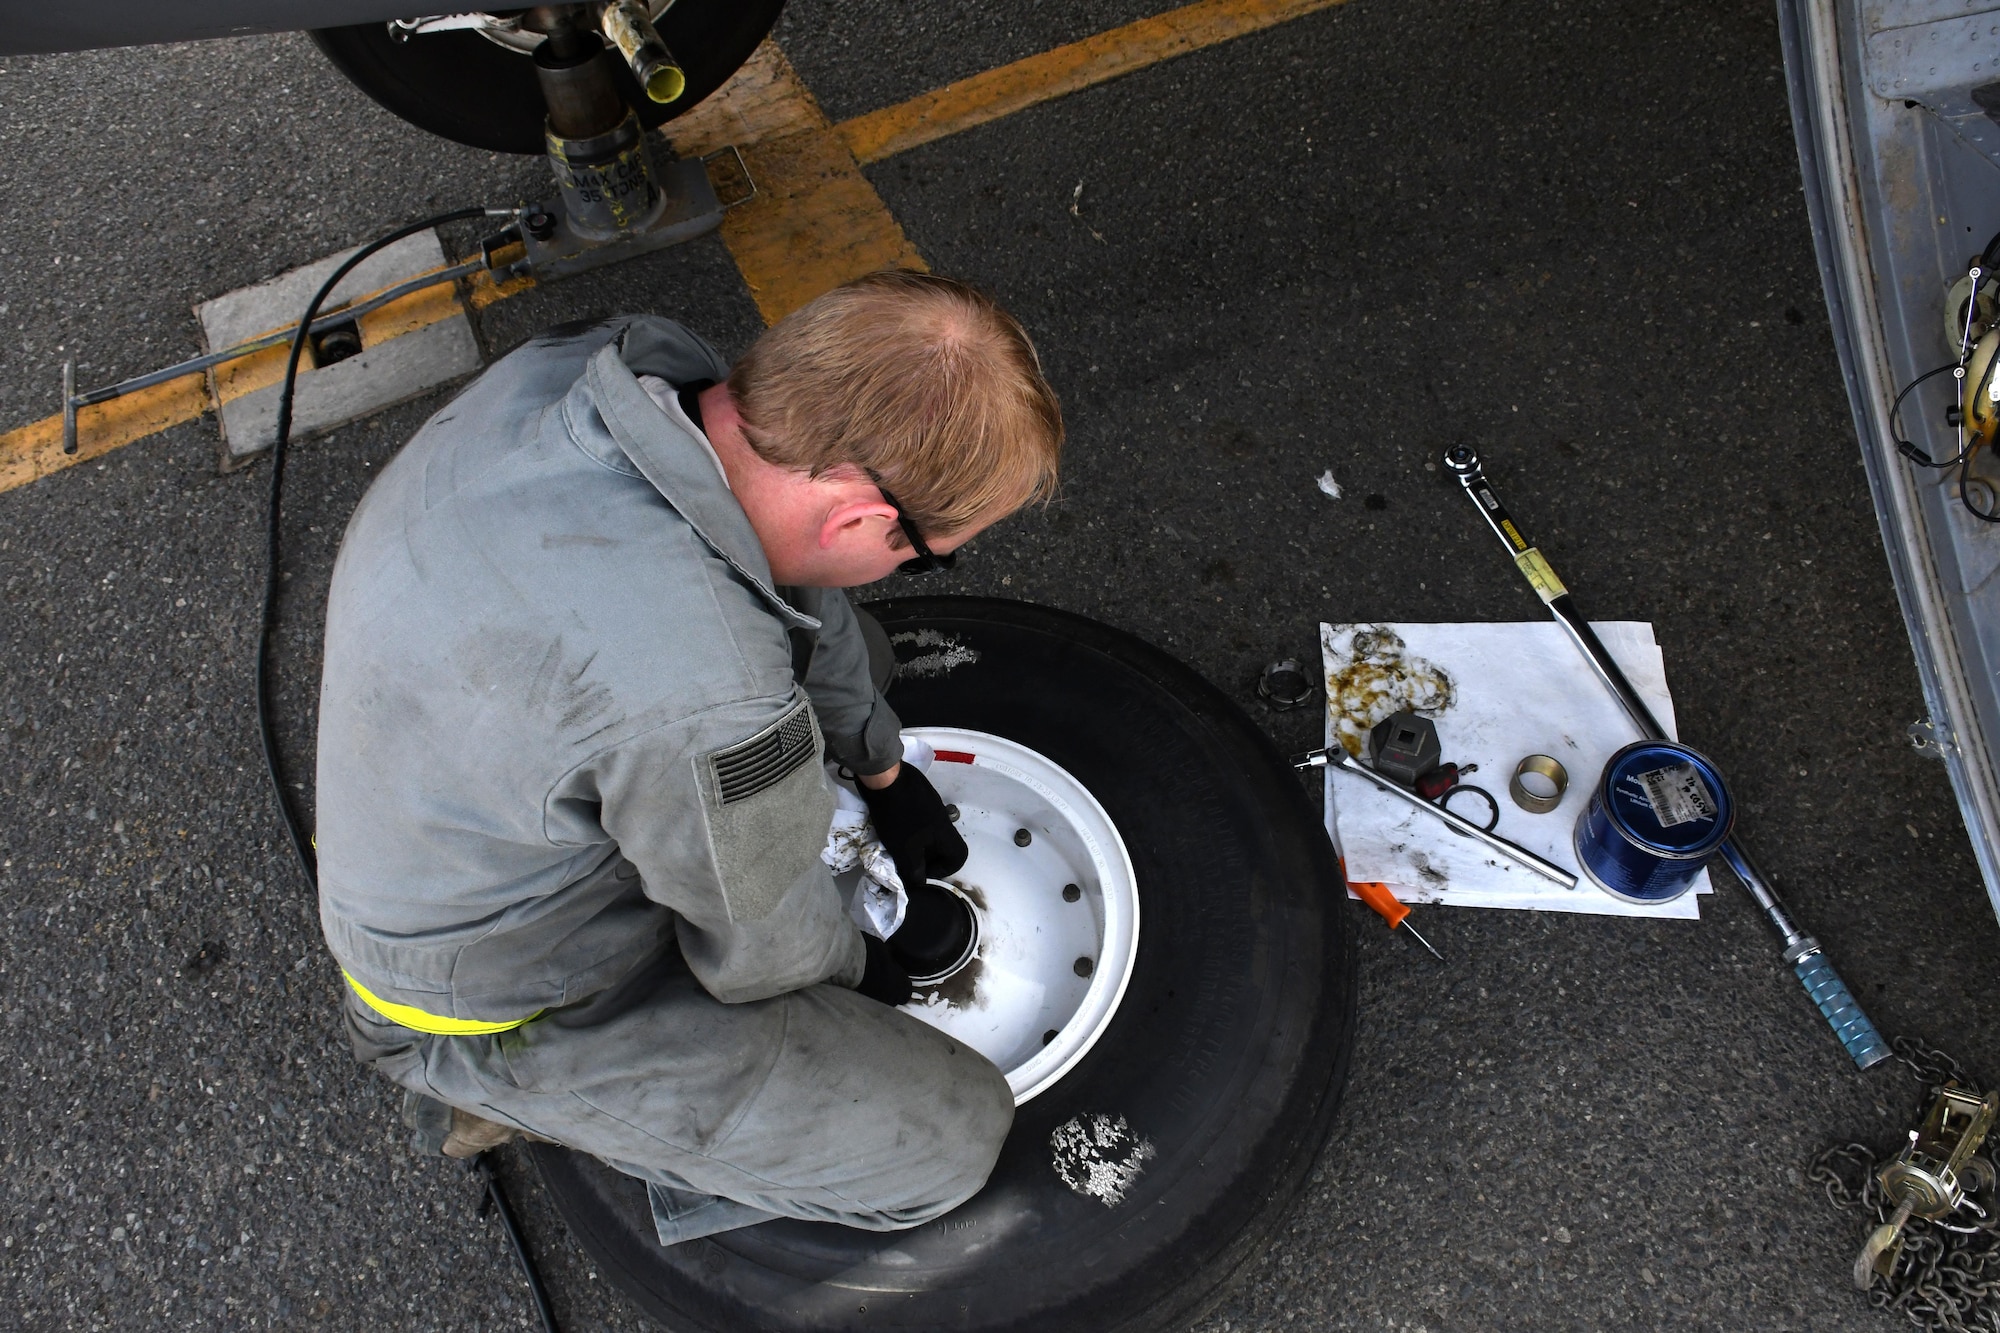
{"type": "Point", "coordinates": [910, 820]}
{"type": "Point", "coordinates": [882, 979]}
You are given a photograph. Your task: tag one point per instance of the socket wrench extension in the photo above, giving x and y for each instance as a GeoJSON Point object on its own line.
{"type": "Point", "coordinates": [1335, 757]}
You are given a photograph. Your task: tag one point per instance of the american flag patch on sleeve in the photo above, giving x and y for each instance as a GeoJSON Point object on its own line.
{"type": "Point", "coordinates": [766, 759]}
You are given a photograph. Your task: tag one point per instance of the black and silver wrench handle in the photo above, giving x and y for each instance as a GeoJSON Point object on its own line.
{"type": "Point", "coordinates": [1802, 951]}
{"type": "Point", "coordinates": [1337, 758]}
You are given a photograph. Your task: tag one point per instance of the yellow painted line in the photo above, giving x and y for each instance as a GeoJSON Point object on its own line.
{"type": "Point", "coordinates": [484, 289]}
{"type": "Point", "coordinates": [1067, 69]}
{"type": "Point", "coordinates": [31, 452]}
{"type": "Point", "coordinates": [815, 222]}
{"type": "Point", "coordinates": [765, 99]}
{"type": "Point", "coordinates": [232, 379]}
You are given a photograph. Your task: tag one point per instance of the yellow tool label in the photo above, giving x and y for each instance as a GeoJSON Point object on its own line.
{"type": "Point", "coordinates": [1514, 535]}
{"type": "Point", "coordinates": [1537, 572]}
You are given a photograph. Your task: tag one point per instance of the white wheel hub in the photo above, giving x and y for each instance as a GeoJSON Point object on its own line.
{"type": "Point", "coordinates": [1055, 909]}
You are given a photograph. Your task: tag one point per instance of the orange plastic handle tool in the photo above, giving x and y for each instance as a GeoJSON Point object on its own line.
{"type": "Point", "coordinates": [1377, 896]}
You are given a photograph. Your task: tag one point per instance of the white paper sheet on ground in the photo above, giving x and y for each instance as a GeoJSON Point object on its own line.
{"type": "Point", "coordinates": [1498, 693]}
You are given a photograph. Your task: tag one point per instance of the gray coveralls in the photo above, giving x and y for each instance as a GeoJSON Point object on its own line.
{"type": "Point", "coordinates": [570, 765]}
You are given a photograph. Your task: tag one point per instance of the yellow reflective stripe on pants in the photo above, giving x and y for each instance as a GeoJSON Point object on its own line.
{"type": "Point", "coordinates": [416, 1019]}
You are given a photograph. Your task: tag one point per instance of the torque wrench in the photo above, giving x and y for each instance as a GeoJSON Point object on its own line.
{"type": "Point", "coordinates": [1802, 951]}
{"type": "Point", "coordinates": [1336, 757]}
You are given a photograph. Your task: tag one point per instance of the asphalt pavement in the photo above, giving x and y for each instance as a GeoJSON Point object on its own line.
{"type": "Point", "coordinates": [1569, 232]}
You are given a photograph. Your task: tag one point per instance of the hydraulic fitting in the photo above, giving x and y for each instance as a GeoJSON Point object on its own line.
{"type": "Point", "coordinates": [629, 26]}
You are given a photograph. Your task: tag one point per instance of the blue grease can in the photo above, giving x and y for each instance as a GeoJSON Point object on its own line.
{"type": "Point", "coordinates": [1659, 811]}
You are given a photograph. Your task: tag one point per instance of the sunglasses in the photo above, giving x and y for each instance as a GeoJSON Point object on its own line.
{"type": "Point", "coordinates": [925, 560]}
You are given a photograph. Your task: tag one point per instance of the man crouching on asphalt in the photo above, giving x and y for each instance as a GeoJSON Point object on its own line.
{"type": "Point", "coordinates": [586, 656]}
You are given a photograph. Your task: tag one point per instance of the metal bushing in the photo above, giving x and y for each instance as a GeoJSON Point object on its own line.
{"type": "Point", "coordinates": [1543, 766]}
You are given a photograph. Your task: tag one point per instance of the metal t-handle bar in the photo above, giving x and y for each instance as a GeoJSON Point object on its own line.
{"type": "Point", "coordinates": [1849, 1023]}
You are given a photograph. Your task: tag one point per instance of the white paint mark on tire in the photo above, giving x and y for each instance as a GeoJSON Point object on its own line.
{"type": "Point", "coordinates": [1099, 1156]}
{"type": "Point", "coordinates": [948, 655]}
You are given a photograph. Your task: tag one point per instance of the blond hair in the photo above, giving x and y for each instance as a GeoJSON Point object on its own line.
{"type": "Point", "coordinates": [922, 382]}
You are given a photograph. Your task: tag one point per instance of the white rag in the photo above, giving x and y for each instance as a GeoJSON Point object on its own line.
{"type": "Point", "coordinates": [881, 900]}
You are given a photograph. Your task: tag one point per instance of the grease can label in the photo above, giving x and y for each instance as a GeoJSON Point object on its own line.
{"type": "Point", "coordinates": [1658, 812]}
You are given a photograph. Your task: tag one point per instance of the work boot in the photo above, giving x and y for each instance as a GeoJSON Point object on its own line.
{"type": "Point", "coordinates": [451, 1131]}
{"type": "Point", "coordinates": [429, 1121]}
{"type": "Point", "coordinates": [470, 1135]}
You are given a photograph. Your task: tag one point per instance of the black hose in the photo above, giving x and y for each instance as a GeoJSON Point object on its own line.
{"type": "Point", "coordinates": [512, 1226]}
{"type": "Point", "coordinates": [267, 619]}
{"type": "Point", "coordinates": [1905, 447]}
{"type": "Point", "coordinates": [302, 846]}
{"type": "Point", "coordinates": [1987, 258]}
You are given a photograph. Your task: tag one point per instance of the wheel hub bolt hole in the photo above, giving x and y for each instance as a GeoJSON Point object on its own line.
{"type": "Point", "coordinates": [1048, 1036]}
{"type": "Point", "coordinates": [1022, 837]}
{"type": "Point", "coordinates": [1084, 967]}
{"type": "Point", "coordinates": [1071, 893]}
{"type": "Point", "coordinates": [951, 813]}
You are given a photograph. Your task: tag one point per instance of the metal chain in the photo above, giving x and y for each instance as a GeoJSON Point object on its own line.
{"type": "Point", "coordinates": [1931, 1065]}
{"type": "Point", "coordinates": [1948, 1277]}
